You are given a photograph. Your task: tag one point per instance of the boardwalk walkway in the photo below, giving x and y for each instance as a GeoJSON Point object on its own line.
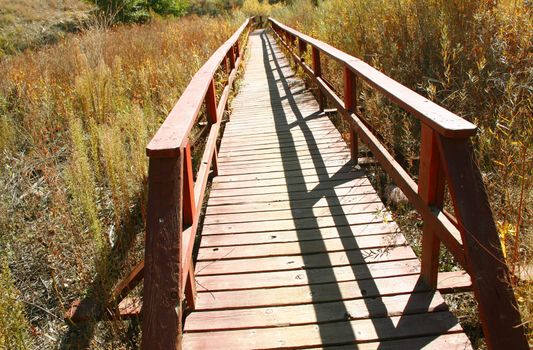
{"type": "Point", "coordinates": [297, 249]}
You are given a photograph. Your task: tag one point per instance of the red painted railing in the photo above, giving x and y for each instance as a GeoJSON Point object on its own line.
{"type": "Point", "coordinates": [175, 198]}
{"type": "Point", "coordinates": [446, 155]}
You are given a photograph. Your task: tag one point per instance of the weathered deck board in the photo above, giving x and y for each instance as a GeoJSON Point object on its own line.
{"type": "Point", "coordinates": [297, 248]}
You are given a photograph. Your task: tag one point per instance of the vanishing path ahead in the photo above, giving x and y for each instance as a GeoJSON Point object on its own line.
{"type": "Point", "coordinates": [297, 249]}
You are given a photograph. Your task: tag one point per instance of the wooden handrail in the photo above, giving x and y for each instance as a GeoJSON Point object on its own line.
{"type": "Point", "coordinates": [175, 198]}
{"type": "Point", "coordinates": [438, 118]}
{"type": "Point", "coordinates": [173, 133]}
{"type": "Point", "coordinates": [446, 154]}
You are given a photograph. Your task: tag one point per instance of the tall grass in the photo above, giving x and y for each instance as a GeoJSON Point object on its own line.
{"type": "Point", "coordinates": [473, 57]}
{"type": "Point", "coordinates": [75, 119]}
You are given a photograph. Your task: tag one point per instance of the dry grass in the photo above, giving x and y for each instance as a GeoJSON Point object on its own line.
{"type": "Point", "coordinates": [474, 58]}
{"type": "Point", "coordinates": [74, 121]}
{"type": "Point", "coordinates": [30, 23]}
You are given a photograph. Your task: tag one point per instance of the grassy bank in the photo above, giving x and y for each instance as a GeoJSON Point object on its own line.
{"type": "Point", "coordinates": [474, 58]}
{"type": "Point", "coordinates": [74, 122]}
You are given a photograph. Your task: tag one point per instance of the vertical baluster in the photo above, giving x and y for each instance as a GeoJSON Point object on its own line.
{"type": "Point", "coordinates": [317, 70]}
{"type": "Point", "coordinates": [431, 190]}
{"type": "Point", "coordinates": [350, 103]}
{"type": "Point", "coordinates": [162, 294]}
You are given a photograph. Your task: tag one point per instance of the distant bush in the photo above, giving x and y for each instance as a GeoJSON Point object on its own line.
{"type": "Point", "coordinates": [140, 10]}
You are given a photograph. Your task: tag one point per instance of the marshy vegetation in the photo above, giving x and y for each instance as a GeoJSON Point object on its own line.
{"type": "Point", "coordinates": [75, 118]}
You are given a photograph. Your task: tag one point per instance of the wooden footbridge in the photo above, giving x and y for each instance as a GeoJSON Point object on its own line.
{"type": "Point", "coordinates": [296, 248]}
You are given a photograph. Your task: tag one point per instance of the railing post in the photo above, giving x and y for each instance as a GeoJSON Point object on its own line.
{"type": "Point", "coordinates": [231, 54]}
{"type": "Point", "coordinates": [431, 190]}
{"type": "Point", "coordinates": [212, 117]}
{"type": "Point", "coordinates": [350, 104]}
{"type": "Point", "coordinates": [317, 70]}
{"type": "Point", "coordinates": [498, 309]}
{"type": "Point", "coordinates": [302, 48]}
{"type": "Point", "coordinates": [162, 295]}
{"type": "Point", "coordinates": [290, 43]}
{"type": "Point", "coordinates": [237, 49]}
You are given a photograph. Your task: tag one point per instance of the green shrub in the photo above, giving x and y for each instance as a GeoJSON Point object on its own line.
{"type": "Point", "coordinates": [140, 10]}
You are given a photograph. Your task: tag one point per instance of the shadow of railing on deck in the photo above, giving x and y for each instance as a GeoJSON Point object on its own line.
{"type": "Point", "coordinates": [297, 191]}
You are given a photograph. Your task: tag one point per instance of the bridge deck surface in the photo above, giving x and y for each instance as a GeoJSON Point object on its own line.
{"type": "Point", "coordinates": [297, 249]}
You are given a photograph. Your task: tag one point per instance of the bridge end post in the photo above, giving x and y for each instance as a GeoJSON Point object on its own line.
{"type": "Point", "coordinates": [498, 310]}
{"type": "Point", "coordinates": [162, 294]}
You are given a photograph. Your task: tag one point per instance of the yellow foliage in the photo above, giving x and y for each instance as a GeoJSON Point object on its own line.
{"type": "Point", "coordinates": [13, 324]}
{"type": "Point", "coordinates": [77, 117]}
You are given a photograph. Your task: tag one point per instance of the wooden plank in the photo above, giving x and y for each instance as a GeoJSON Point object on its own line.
{"type": "Point", "coordinates": [295, 248]}
{"type": "Point", "coordinates": [292, 164]}
{"type": "Point", "coordinates": [271, 160]}
{"type": "Point", "coordinates": [310, 261]}
{"type": "Point", "coordinates": [331, 161]}
{"type": "Point", "coordinates": [293, 196]}
{"type": "Point", "coordinates": [286, 137]}
{"type": "Point", "coordinates": [337, 274]}
{"type": "Point", "coordinates": [348, 201]}
{"type": "Point", "coordinates": [296, 224]}
{"type": "Point", "coordinates": [255, 145]}
{"type": "Point", "coordinates": [285, 149]}
{"type": "Point", "coordinates": [301, 235]}
{"type": "Point", "coordinates": [328, 170]}
{"type": "Point", "coordinates": [305, 117]}
{"type": "Point", "coordinates": [340, 182]}
{"type": "Point", "coordinates": [262, 123]}
{"type": "Point", "coordinates": [228, 157]}
{"type": "Point", "coordinates": [283, 316]}
{"type": "Point", "coordinates": [298, 212]}
{"type": "Point", "coordinates": [327, 334]}
{"type": "Point", "coordinates": [317, 176]}
{"type": "Point", "coordinates": [453, 341]}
